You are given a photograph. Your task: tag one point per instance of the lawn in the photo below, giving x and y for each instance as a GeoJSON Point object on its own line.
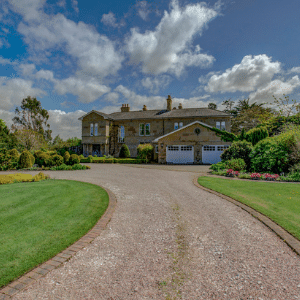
{"type": "Point", "coordinates": [279, 201]}
{"type": "Point", "coordinates": [40, 219]}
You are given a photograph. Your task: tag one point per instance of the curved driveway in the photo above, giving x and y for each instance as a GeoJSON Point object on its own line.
{"type": "Point", "coordinates": [169, 239]}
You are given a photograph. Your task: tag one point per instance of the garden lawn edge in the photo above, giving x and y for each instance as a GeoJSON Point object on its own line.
{"type": "Point", "coordinates": [289, 239]}
{"type": "Point", "coordinates": [24, 281]}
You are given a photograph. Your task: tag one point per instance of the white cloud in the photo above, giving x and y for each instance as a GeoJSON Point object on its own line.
{"type": "Point", "coordinates": [87, 91]}
{"type": "Point", "coordinates": [112, 97]}
{"type": "Point", "coordinates": [65, 124]}
{"type": "Point", "coordinates": [75, 5]}
{"type": "Point", "coordinates": [45, 74]}
{"type": "Point", "coordinates": [143, 10]}
{"type": "Point", "coordinates": [156, 83]}
{"type": "Point", "coordinates": [7, 117]}
{"type": "Point", "coordinates": [27, 70]}
{"type": "Point", "coordinates": [6, 61]}
{"type": "Point", "coordinates": [62, 3]}
{"type": "Point", "coordinates": [167, 49]}
{"type": "Point", "coordinates": [276, 88]}
{"type": "Point", "coordinates": [13, 90]}
{"type": "Point", "coordinates": [29, 9]}
{"type": "Point", "coordinates": [94, 54]}
{"type": "Point", "coordinates": [252, 73]}
{"type": "Point", "coordinates": [295, 70]}
{"type": "Point", "coordinates": [109, 20]}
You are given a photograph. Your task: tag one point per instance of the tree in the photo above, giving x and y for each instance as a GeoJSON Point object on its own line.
{"type": "Point", "coordinates": [29, 140]}
{"type": "Point", "coordinates": [285, 108]}
{"type": "Point", "coordinates": [212, 106]}
{"type": "Point", "coordinates": [7, 139]}
{"type": "Point", "coordinates": [228, 106]}
{"type": "Point", "coordinates": [32, 116]}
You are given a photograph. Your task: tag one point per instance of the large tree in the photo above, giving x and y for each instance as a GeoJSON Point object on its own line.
{"type": "Point", "coordinates": [32, 116]}
{"type": "Point", "coordinates": [7, 139]}
{"type": "Point", "coordinates": [247, 115]}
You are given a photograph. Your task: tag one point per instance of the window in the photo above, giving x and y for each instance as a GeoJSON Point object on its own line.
{"type": "Point", "coordinates": [173, 148]}
{"type": "Point", "coordinates": [222, 148]}
{"type": "Point", "coordinates": [220, 125]}
{"type": "Point", "coordinates": [209, 148]}
{"type": "Point", "coordinates": [145, 129]}
{"type": "Point", "coordinates": [175, 126]}
{"type": "Point", "coordinates": [142, 129]}
{"type": "Point", "coordinates": [96, 130]}
{"type": "Point", "coordinates": [186, 148]}
{"type": "Point", "coordinates": [156, 149]}
{"type": "Point", "coordinates": [121, 136]}
{"type": "Point", "coordinates": [91, 129]}
{"type": "Point", "coordinates": [180, 125]}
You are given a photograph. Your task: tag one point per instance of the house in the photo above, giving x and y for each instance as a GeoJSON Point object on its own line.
{"type": "Point", "coordinates": [179, 135]}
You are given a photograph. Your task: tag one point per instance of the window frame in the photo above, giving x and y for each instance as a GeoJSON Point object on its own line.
{"type": "Point", "coordinates": [96, 129]}
{"type": "Point", "coordinates": [142, 129]}
{"type": "Point", "coordinates": [180, 125]}
{"type": "Point", "coordinates": [176, 126]}
{"type": "Point", "coordinates": [145, 129]}
{"type": "Point", "coordinates": [121, 134]}
{"type": "Point", "coordinates": [91, 129]}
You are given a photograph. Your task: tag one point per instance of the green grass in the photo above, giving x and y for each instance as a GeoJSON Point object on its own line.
{"type": "Point", "coordinates": [279, 201]}
{"type": "Point", "coordinates": [40, 219]}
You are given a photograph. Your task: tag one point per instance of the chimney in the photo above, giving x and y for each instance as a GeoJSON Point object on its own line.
{"type": "Point", "coordinates": [169, 103]}
{"type": "Point", "coordinates": [174, 107]}
{"type": "Point", "coordinates": [180, 106]}
{"type": "Point", "coordinates": [125, 108]}
{"type": "Point", "coordinates": [145, 108]}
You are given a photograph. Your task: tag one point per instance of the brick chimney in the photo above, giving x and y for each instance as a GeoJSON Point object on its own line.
{"type": "Point", "coordinates": [169, 103]}
{"type": "Point", "coordinates": [180, 106]}
{"type": "Point", "coordinates": [145, 107]}
{"type": "Point", "coordinates": [125, 108]}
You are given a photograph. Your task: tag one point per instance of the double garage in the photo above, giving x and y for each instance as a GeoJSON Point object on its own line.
{"type": "Point", "coordinates": [184, 154]}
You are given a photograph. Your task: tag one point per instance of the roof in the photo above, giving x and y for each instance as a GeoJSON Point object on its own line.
{"type": "Point", "coordinates": [164, 114]}
{"type": "Point", "coordinates": [196, 122]}
{"type": "Point", "coordinates": [105, 116]}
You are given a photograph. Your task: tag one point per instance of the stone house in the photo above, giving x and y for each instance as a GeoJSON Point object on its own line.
{"type": "Point", "coordinates": [179, 135]}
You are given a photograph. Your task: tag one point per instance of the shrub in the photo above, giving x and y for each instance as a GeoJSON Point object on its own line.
{"type": "Point", "coordinates": [219, 172]}
{"type": "Point", "coordinates": [95, 155]}
{"type": "Point", "coordinates": [43, 159]}
{"type": "Point", "coordinates": [57, 160]}
{"type": "Point", "coordinates": [236, 164]}
{"type": "Point", "coordinates": [232, 173]}
{"type": "Point", "coordinates": [145, 151]}
{"type": "Point", "coordinates": [291, 177]}
{"type": "Point", "coordinates": [39, 177]}
{"type": "Point", "coordinates": [81, 157]}
{"type": "Point", "coordinates": [66, 157]}
{"type": "Point", "coordinates": [244, 176]}
{"type": "Point", "coordinates": [26, 160]}
{"type": "Point", "coordinates": [14, 154]}
{"type": "Point", "coordinates": [256, 176]}
{"type": "Point", "coordinates": [74, 159]}
{"type": "Point", "coordinates": [276, 154]}
{"type": "Point", "coordinates": [7, 162]}
{"type": "Point", "coordinates": [124, 152]}
{"type": "Point", "coordinates": [79, 167]}
{"type": "Point", "coordinates": [295, 168]}
{"type": "Point", "coordinates": [90, 159]}
{"type": "Point", "coordinates": [256, 134]}
{"type": "Point", "coordinates": [218, 166]}
{"type": "Point", "coordinates": [238, 149]}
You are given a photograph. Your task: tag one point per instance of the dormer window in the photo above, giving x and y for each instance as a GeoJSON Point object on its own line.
{"type": "Point", "coordinates": [180, 124]}
{"type": "Point", "coordinates": [220, 125]}
{"type": "Point", "coordinates": [175, 126]}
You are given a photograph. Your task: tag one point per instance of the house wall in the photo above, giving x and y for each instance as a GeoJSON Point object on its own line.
{"type": "Point", "coordinates": [188, 136]}
{"type": "Point", "coordinates": [108, 132]}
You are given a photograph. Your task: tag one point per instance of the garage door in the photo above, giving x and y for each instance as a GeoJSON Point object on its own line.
{"type": "Point", "coordinates": [181, 154]}
{"type": "Point", "coordinates": [211, 153]}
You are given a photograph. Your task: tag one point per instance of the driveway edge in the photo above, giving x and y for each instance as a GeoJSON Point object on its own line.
{"type": "Point", "coordinates": [291, 241]}
{"type": "Point", "coordinates": [24, 281]}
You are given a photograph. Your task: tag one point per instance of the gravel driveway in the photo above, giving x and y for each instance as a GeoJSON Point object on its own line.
{"type": "Point", "coordinates": [171, 240]}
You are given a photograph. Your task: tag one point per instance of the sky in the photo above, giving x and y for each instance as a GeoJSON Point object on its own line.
{"type": "Point", "coordinates": [81, 55]}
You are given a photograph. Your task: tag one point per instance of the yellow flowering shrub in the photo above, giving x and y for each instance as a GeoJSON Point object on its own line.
{"type": "Point", "coordinates": [19, 177]}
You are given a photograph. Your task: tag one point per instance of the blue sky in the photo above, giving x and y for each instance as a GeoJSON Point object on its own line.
{"type": "Point", "coordinates": [79, 55]}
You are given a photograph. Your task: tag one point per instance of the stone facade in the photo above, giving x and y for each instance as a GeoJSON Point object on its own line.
{"type": "Point", "coordinates": [161, 123]}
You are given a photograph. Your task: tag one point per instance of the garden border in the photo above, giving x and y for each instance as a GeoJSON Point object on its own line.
{"type": "Point", "coordinates": [290, 240]}
{"type": "Point", "coordinates": [25, 280]}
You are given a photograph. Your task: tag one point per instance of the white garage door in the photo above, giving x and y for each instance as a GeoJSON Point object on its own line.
{"type": "Point", "coordinates": [211, 153]}
{"type": "Point", "coordinates": [181, 154]}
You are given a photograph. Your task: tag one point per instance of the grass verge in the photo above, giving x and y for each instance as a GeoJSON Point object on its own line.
{"type": "Point", "coordinates": [278, 201]}
{"type": "Point", "coordinates": [40, 219]}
